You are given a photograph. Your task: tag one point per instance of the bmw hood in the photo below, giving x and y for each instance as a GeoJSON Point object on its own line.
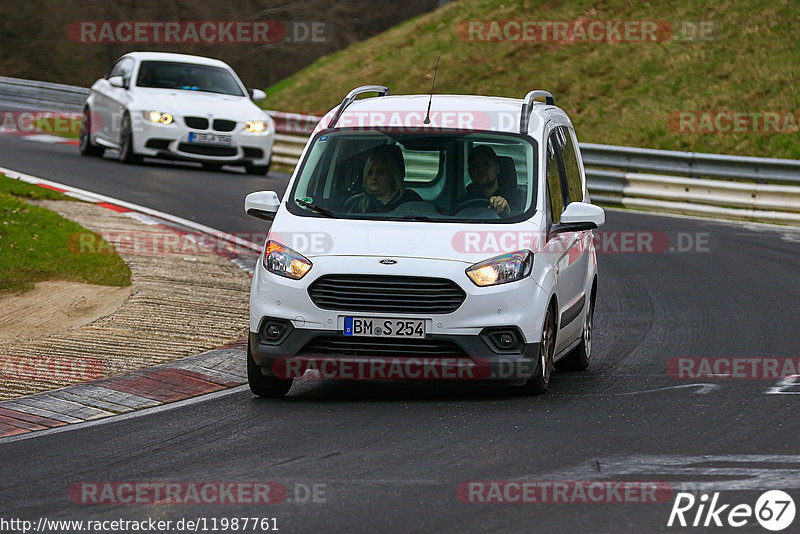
{"type": "Point", "coordinates": [195, 103]}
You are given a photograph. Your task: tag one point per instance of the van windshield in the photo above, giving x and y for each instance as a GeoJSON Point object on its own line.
{"type": "Point", "coordinates": [442, 176]}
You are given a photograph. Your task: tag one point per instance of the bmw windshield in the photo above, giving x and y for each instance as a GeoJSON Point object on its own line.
{"type": "Point", "coordinates": [440, 176]}
{"type": "Point", "coordinates": [187, 77]}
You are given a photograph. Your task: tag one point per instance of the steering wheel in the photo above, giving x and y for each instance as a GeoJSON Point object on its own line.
{"type": "Point", "coordinates": [473, 203]}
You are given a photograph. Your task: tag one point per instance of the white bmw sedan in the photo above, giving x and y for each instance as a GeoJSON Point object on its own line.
{"type": "Point", "coordinates": [179, 107]}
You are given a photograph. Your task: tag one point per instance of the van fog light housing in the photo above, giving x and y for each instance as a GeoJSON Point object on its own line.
{"type": "Point", "coordinates": [504, 339]}
{"type": "Point", "coordinates": [274, 331]}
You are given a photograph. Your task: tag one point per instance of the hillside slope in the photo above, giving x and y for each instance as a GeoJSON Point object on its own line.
{"type": "Point", "coordinates": [626, 93]}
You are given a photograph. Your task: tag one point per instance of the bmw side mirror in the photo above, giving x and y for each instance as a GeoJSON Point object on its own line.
{"type": "Point", "coordinates": [256, 95]}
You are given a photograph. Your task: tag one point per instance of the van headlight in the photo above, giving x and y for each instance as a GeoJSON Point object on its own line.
{"type": "Point", "coordinates": [502, 269]}
{"type": "Point", "coordinates": [158, 116]}
{"type": "Point", "coordinates": [283, 261]}
{"type": "Point", "coordinates": [255, 126]}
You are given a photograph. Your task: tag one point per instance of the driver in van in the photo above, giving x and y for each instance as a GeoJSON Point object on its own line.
{"type": "Point", "coordinates": [384, 189]}
{"type": "Point", "coordinates": [484, 170]}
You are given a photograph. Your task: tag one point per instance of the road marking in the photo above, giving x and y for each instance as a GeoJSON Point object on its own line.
{"type": "Point", "coordinates": [48, 138]}
{"type": "Point", "coordinates": [733, 472]}
{"type": "Point", "coordinates": [703, 389]}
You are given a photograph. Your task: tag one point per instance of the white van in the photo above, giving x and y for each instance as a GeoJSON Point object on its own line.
{"type": "Point", "coordinates": [428, 237]}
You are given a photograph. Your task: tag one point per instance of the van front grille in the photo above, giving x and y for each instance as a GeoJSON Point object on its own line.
{"type": "Point", "coordinates": [386, 294]}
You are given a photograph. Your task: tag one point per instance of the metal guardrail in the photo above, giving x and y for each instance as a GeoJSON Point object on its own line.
{"type": "Point", "coordinates": [43, 94]}
{"type": "Point", "coordinates": [692, 183]}
{"type": "Point", "coordinates": [692, 164]}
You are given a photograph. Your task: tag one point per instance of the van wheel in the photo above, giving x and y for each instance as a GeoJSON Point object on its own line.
{"type": "Point", "coordinates": [268, 387]}
{"type": "Point", "coordinates": [578, 359]}
{"type": "Point", "coordinates": [85, 146]}
{"type": "Point", "coordinates": [540, 381]}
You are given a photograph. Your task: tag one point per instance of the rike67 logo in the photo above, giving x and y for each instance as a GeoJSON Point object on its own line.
{"type": "Point", "coordinates": [774, 510]}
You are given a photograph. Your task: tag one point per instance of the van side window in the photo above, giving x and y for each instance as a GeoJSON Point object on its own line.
{"type": "Point", "coordinates": [554, 180]}
{"type": "Point", "coordinates": [573, 172]}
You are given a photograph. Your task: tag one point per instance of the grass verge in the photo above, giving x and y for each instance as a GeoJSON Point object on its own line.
{"type": "Point", "coordinates": [623, 93]}
{"type": "Point", "coordinates": [37, 244]}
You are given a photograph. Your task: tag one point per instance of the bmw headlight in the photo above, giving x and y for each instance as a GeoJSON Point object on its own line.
{"type": "Point", "coordinates": [502, 269]}
{"type": "Point", "coordinates": [158, 116]}
{"type": "Point", "coordinates": [283, 261]}
{"type": "Point", "coordinates": [255, 126]}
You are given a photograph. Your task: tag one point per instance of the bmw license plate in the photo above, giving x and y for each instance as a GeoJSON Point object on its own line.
{"type": "Point", "coordinates": [210, 139]}
{"type": "Point", "coordinates": [384, 327]}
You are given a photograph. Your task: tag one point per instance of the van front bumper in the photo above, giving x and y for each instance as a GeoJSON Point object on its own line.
{"type": "Point", "coordinates": [436, 357]}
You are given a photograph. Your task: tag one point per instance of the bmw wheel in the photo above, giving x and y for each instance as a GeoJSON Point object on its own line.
{"type": "Point", "coordinates": [85, 145]}
{"type": "Point", "coordinates": [126, 153]}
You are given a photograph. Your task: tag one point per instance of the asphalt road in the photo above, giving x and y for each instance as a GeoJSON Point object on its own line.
{"type": "Point", "coordinates": [390, 456]}
{"type": "Point", "coordinates": [213, 198]}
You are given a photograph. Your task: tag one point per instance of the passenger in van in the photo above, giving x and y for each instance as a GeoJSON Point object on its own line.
{"type": "Point", "coordinates": [384, 189]}
{"type": "Point", "coordinates": [489, 182]}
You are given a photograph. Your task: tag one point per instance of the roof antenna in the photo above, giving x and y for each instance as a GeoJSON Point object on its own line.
{"type": "Point", "coordinates": [428, 114]}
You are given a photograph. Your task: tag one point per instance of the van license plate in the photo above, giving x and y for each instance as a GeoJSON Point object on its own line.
{"type": "Point", "coordinates": [384, 327]}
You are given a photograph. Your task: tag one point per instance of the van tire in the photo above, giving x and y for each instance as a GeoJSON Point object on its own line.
{"type": "Point", "coordinates": [268, 387]}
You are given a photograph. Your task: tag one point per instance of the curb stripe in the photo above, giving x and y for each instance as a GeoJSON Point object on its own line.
{"type": "Point", "coordinates": [20, 424]}
{"type": "Point", "coordinates": [208, 378]}
{"type": "Point", "coordinates": [108, 205]}
{"type": "Point", "coordinates": [8, 430]}
{"type": "Point", "coordinates": [30, 418]}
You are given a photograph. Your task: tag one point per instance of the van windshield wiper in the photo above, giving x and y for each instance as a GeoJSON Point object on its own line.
{"type": "Point", "coordinates": [312, 207]}
{"type": "Point", "coordinates": [415, 218]}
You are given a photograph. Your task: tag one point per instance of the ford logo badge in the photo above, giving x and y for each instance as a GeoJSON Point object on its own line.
{"type": "Point", "coordinates": [388, 262]}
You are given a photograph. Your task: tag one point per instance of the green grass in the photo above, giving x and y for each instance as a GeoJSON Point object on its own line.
{"type": "Point", "coordinates": [37, 244]}
{"type": "Point", "coordinates": [615, 93]}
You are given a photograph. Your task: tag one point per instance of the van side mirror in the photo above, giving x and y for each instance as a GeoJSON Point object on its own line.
{"type": "Point", "coordinates": [117, 81]}
{"type": "Point", "coordinates": [262, 204]}
{"type": "Point", "coordinates": [579, 216]}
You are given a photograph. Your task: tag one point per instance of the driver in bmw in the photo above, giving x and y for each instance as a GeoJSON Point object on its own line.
{"type": "Point", "coordinates": [484, 170]}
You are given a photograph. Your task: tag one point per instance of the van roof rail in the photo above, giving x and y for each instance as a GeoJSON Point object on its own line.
{"type": "Point", "coordinates": [380, 89]}
{"type": "Point", "coordinates": [527, 107]}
